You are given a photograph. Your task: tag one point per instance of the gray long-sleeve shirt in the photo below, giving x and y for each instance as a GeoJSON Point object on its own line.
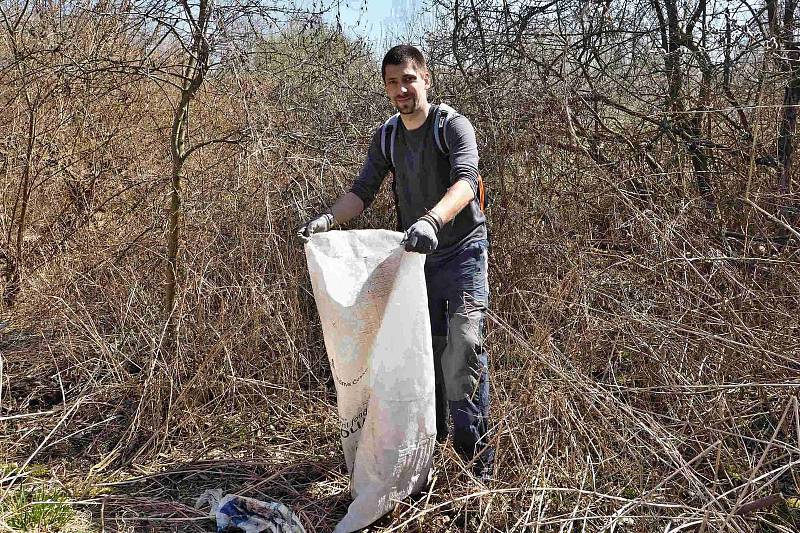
{"type": "Point", "coordinates": [422, 176]}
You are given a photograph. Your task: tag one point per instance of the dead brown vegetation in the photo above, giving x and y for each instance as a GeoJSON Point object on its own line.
{"type": "Point", "coordinates": [645, 269]}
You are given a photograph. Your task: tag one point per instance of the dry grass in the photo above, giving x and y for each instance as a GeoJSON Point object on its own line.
{"type": "Point", "coordinates": [644, 352]}
{"type": "Point", "coordinates": [641, 381]}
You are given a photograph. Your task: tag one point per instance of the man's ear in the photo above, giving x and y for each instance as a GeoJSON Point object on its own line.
{"type": "Point", "coordinates": [427, 77]}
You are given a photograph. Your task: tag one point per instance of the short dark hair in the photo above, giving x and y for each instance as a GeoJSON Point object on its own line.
{"type": "Point", "coordinates": [401, 54]}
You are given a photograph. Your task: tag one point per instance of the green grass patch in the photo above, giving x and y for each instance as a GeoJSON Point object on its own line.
{"type": "Point", "coordinates": [36, 509]}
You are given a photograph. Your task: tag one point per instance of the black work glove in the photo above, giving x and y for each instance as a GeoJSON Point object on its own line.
{"type": "Point", "coordinates": [317, 224]}
{"type": "Point", "coordinates": [421, 236]}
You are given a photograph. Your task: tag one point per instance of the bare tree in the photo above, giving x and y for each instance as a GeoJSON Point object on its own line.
{"type": "Point", "coordinates": [196, 64]}
{"type": "Point", "coordinates": [783, 28]}
{"type": "Point", "coordinates": [632, 77]}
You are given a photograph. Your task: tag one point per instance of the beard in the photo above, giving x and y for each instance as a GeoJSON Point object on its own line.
{"type": "Point", "coordinates": [408, 107]}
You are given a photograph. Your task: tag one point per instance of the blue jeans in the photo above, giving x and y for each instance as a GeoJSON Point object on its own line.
{"type": "Point", "coordinates": [458, 296]}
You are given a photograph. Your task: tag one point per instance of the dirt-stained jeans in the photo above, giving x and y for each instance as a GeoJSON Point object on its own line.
{"type": "Point", "coordinates": [458, 296]}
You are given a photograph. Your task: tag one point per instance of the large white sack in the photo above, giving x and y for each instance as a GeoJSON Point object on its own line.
{"type": "Point", "coordinates": [372, 303]}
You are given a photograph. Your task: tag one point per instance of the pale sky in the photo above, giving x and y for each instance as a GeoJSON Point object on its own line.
{"type": "Point", "coordinates": [374, 18]}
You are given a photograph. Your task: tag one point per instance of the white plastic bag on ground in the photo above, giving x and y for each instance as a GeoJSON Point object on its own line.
{"type": "Point", "coordinates": [248, 514]}
{"type": "Point", "coordinates": [373, 306]}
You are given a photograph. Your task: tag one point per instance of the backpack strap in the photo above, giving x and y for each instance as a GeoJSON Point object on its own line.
{"type": "Point", "coordinates": [481, 194]}
{"type": "Point", "coordinates": [388, 135]}
{"type": "Point", "coordinates": [443, 115]}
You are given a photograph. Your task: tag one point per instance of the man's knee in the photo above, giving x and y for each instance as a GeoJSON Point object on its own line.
{"type": "Point", "coordinates": [463, 362]}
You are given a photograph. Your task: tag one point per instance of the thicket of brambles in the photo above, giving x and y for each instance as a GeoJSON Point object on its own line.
{"type": "Point", "coordinates": [158, 335]}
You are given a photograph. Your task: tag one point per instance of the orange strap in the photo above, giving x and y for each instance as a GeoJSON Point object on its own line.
{"type": "Point", "coordinates": [481, 193]}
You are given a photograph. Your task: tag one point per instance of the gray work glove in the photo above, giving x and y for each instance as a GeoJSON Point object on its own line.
{"type": "Point", "coordinates": [421, 236]}
{"type": "Point", "coordinates": [317, 224]}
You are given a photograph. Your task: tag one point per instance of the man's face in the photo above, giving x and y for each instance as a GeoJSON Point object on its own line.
{"type": "Point", "coordinates": [407, 86]}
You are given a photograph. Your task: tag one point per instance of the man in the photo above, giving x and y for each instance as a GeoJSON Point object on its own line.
{"type": "Point", "coordinates": [437, 198]}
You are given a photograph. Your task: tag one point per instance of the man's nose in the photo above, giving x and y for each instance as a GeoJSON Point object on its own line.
{"type": "Point", "coordinates": [404, 89]}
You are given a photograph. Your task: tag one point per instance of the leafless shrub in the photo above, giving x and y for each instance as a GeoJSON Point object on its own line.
{"type": "Point", "coordinates": [644, 261]}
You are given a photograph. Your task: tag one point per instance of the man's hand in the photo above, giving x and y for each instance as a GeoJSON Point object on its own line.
{"type": "Point", "coordinates": [317, 224]}
{"type": "Point", "coordinates": [421, 236]}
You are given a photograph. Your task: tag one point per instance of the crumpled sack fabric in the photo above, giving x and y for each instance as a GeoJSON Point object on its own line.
{"type": "Point", "coordinates": [373, 308]}
{"type": "Point", "coordinates": [248, 514]}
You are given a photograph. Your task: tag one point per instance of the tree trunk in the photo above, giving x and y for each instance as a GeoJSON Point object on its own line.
{"type": "Point", "coordinates": [173, 244]}
{"type": "Point", "coordinates": [782, 30]}
{"type": "Point", "coordinates": [697, 149]}
{"type": "Point", "coordinates": [788, 128]}
{"type": "Point", "coordinates": [791, 99]}
{"type": "Point", "coordinates": [13, 268]}
{"type": "Point", "coordinates": [193, 75]}
{"type": "Point", "coordinates": [11, 277]}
